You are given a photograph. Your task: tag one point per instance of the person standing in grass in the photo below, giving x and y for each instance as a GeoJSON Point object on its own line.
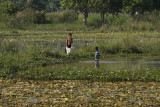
{"type": "Point", "coordinates": [69, 42]}
{"type": "Point", "coordinates": [97, 56]}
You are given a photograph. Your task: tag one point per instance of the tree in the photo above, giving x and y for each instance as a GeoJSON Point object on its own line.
{"type": "Point", "coordinates": [106, 6]}
{"type": "Point", "coordinates": [52, 5]}
{"type": "Point", "coordinates": [148, 5]}
{"type": "Point", "coordinates": [140, 6]}
{"type": "Point", "coordinates": [115, 6]}
{"type": "Point", "coordinates": [83, 6]}
{"type": "Point", "coordinates": [8, 8]}
{"type": "Point", "coordinates": [156, 4]}
{"type": "Point", "coordinates": [101, 6]}
{"type": "Point", "coordinates": [132, 6]}
{"type": "Point", "coordinates": [36, 4]}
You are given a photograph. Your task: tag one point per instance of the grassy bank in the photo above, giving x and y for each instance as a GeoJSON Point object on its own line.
{"type": "Point", "coordinates": [69, 73]}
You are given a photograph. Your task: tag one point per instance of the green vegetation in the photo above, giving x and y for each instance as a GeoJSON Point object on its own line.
{"type": "Point", "coordinates": [68, 16]}
{"type": "Point", "coordinates": [113, 15]}
{"type": "Point", "coordinates": [29, 19]}
{"type": "Point", "coordinates": [22, 58]}
{"type": "Point", "coordinates": [35, 70]}
{"type": "Point", "coordinates": [8, 8]}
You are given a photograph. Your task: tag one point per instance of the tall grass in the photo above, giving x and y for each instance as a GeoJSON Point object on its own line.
{"type": "Point", "coordinates": [94, 20]}
{"type": "Point", "coordinates": [130, 44]}
{"type": "Point", "coordinates": [68, 16]}
{"type": "Point", "coordinates": [126, 22]}
{"type": "Point", "coordinates": [59, 27]}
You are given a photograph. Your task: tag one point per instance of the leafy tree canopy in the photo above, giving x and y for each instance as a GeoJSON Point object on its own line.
{"type": "Point", "coordinates": [8, 8]}
{"type": "Point", "coordinates": [36, 4]}
{"type": "Point", "coordinates": [83, 6]}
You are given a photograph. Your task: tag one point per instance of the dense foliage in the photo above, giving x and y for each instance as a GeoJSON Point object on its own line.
{"type": "Point", "coordinates": [112, 5]}
{"type": "Point", "coordinates": [48, 5]}
{"type": "Point", "coordinates": [31, 54]}
{"type": "Point", "coordinates": [16, 12]}
{"type": "Point", "coordinates": [8, 8]}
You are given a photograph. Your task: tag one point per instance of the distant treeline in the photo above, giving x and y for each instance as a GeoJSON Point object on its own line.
{"type": "Point", "coordinates": [24, 12]}
{"type": "Point", "coordinates": [108, 5]}
{"type": "Point", "coordinates": [48, 5]}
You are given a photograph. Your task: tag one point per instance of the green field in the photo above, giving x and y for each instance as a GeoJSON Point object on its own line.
{"type": "Point", "coordinates": [35, 69]}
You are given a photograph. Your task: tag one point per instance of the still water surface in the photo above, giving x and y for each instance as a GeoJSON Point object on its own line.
{"type": "Point", "coordinates": [129, 64]}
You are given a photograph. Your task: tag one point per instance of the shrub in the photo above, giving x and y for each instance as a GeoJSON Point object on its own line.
{"type": "Point", "coordinates": [40, 17]}
{"type": "Point", "coordinates": [26, 16]}
{"type": "Point", "coordinates": [95, 21]}
{"type": "Point", "coordinates": [8, 8]}
{"type": "Point", "coordinates": [8, 22]}
{"type": "Point", "coordinates": [68, 16]}
{"type": "Point", "coordinates": [17, 21]}
{"type": "Point", "coordinates": [29, 16]}
{"type": "Point", "coordinates": [11, 45]}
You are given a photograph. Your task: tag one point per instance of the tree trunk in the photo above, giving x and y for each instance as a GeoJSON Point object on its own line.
{"type": "Point", "coordinates": [85, 17]}
{"type": "Point", "coordinates": [102, 16]}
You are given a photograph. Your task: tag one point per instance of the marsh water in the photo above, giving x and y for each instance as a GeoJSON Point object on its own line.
{"type": "Point", "coordinates": [129, 64]}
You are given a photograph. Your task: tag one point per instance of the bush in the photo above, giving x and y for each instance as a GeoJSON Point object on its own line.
{"type": "Point", "coordinates": [8, 22]}
{"type": "Point", "coordinates": [152, 17]}
{"type": "Point", "coordinates": [29, 16]}
{"type": "Point", "coordinates": [12, 45]}
{"type": "Point", "coordinates": [25, 17]}
{"type": "Point", "coordinates": [95, 21]}
{"type": "Point", "coordinates": [68, 16]}
{"type": "Point", "coordinates": [40, 17]}
{"type": "Point", "coordinates": [8, 8]}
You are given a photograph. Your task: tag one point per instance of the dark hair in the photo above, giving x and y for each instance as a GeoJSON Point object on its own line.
{"type": "Point", "coordinates": [96, 48]}
{"type": "Point", "coordinates": [70, 34]}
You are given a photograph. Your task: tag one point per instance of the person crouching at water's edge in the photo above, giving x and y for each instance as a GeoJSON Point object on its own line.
{"type": "Point", "coordinates": [69, 42]}
{"type": "Point", "coordinates": [97, 55]}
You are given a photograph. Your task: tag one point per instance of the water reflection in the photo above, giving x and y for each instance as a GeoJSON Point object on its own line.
{"type": "Point", "coordinates": [97, 65]}
{"type": "Point", "coordinates": [124, 64]}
